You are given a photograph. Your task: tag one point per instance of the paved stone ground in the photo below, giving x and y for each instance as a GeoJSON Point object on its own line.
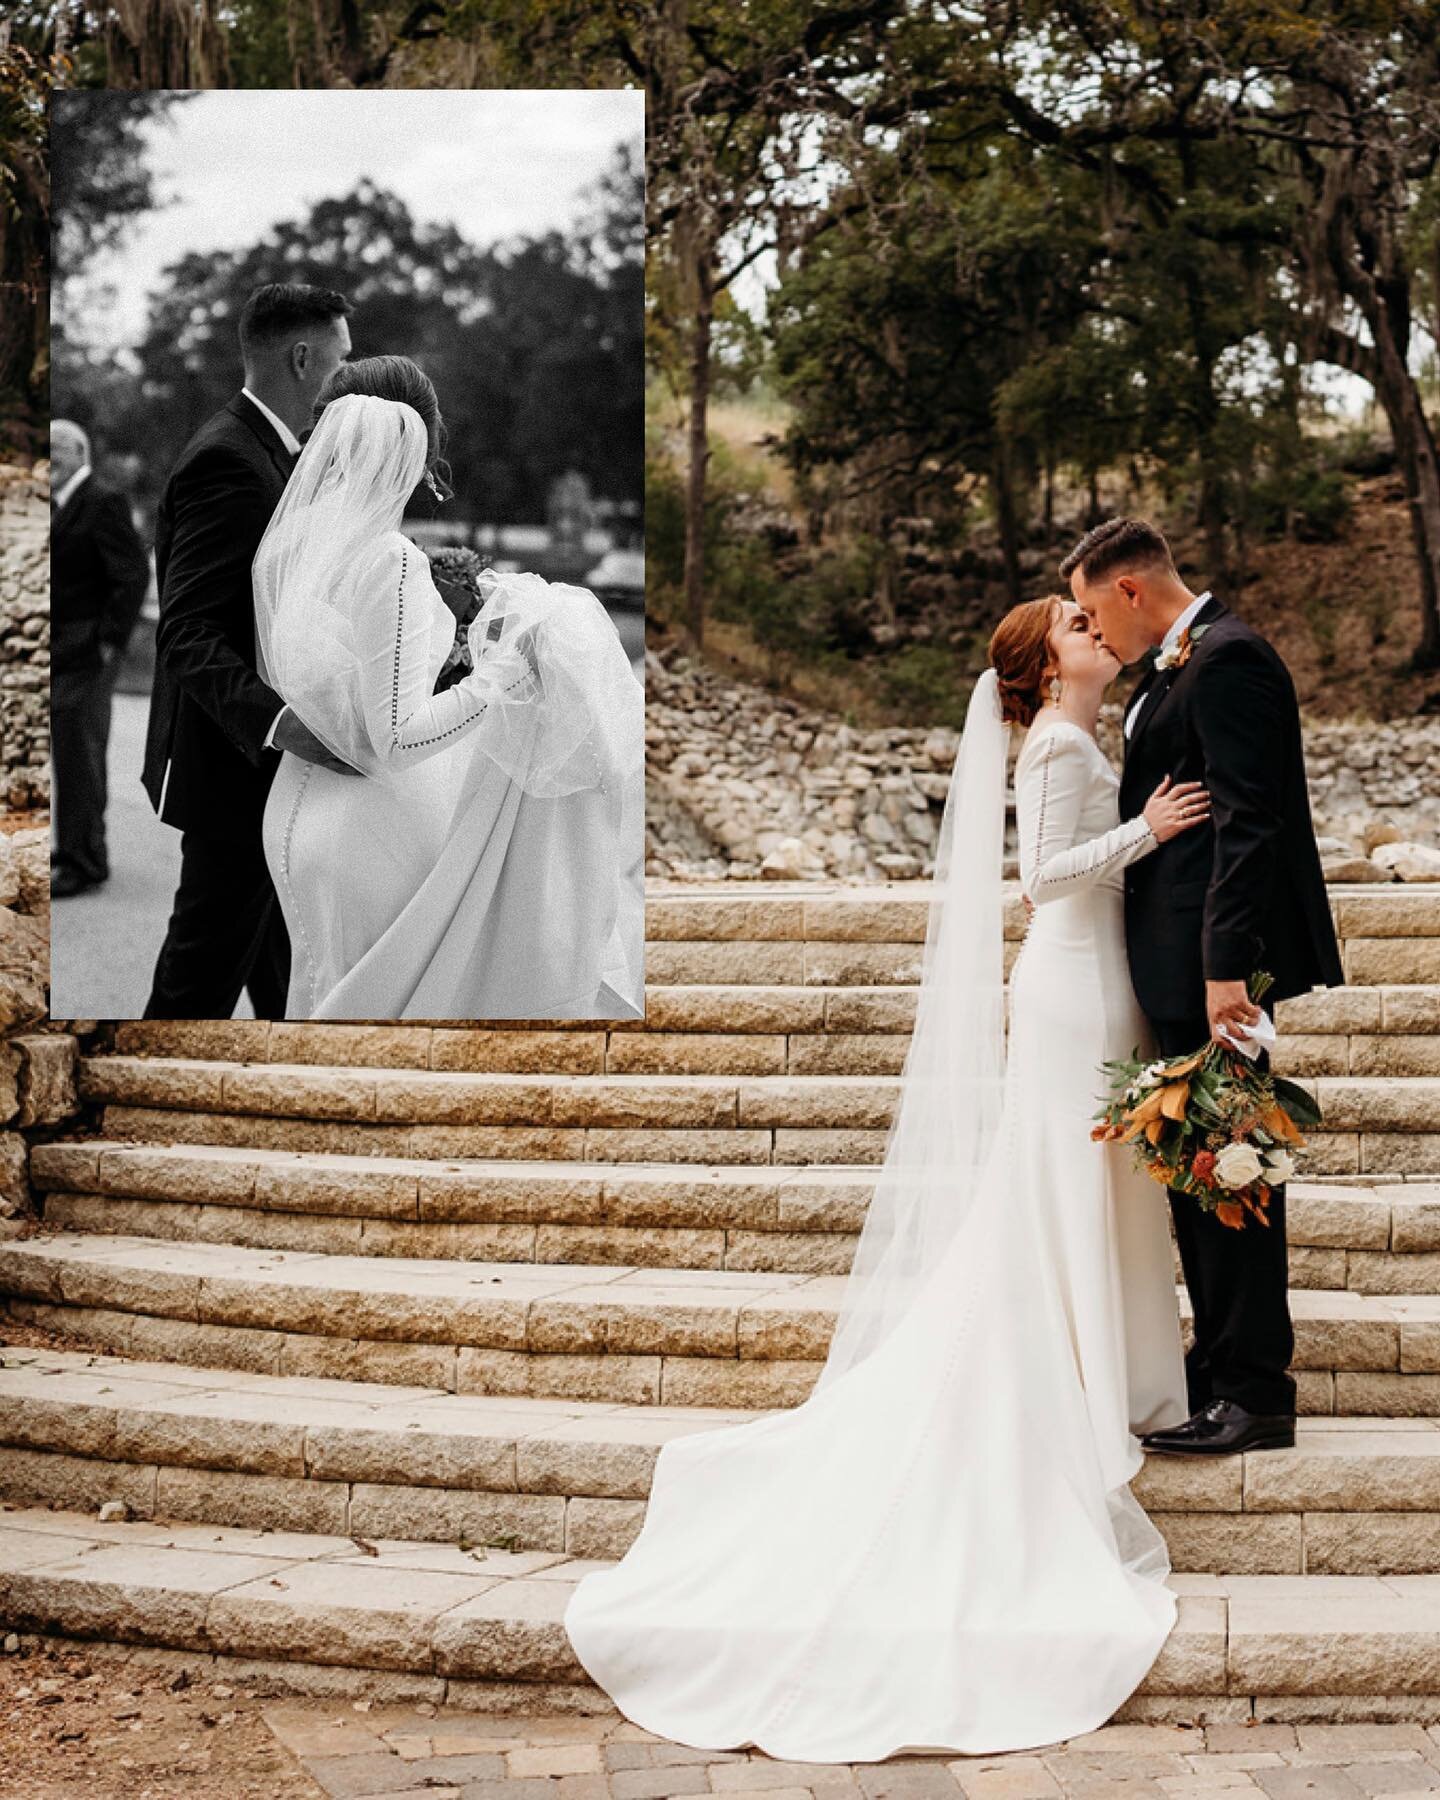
{"type": "Point", "coordinates": [103, 945]}
{"type": "Point", "coordinates": [411, 1754]}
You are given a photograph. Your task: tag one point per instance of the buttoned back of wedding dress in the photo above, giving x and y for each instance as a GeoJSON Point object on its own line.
{"type": "Point", "coordinates": [939, 1549]}
{"type": "Point", "coordinates": [458, 878]}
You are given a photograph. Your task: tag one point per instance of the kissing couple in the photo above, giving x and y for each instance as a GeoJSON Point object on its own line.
{"type": "Point", "coordinates": [362, 839]}
{"type": "Point", "coordinates": [939, 1549]}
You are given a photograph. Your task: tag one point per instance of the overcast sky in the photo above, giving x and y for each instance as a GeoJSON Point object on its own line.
{"type": "Point", "coordinates": [498, 164]}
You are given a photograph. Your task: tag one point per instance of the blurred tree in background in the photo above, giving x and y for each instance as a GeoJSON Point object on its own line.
{"type": "Point", "coordinates": [535, 351]}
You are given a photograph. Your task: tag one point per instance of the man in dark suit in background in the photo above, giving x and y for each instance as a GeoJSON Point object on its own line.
{"type": "Point", "coordinates": [98, 576]}
{"type": "Point", "coordinates": [216, 729]}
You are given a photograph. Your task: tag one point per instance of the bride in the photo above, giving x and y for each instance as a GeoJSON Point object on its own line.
{"type": "Point", "coordinates": [486, 866]}
{"type": "Point", "coordinates": [939, 1550]}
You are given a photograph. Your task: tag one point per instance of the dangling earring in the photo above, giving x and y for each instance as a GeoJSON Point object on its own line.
{"type": "Point", "coordinates": [1055, 690]}
{"type": "Point", "coordinates": [432, 484]}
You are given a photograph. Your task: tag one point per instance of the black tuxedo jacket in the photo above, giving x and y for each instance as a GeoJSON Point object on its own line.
{"type": "Point", "coordinates": [98, 576]}
{"type": "Point", "coordinates": [206, 767]}
{"type": "Point", "coordinates": [1243, 891]}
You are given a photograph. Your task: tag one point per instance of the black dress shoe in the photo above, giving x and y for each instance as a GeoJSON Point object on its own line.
{"type": "Point", "coordinates": [65, 884]}
{"type": "Point", "coordinates": [1223, 1428]}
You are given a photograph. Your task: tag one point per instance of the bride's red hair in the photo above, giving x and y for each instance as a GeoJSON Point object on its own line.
{"type": "Point", "coordinates": [1020, 653]}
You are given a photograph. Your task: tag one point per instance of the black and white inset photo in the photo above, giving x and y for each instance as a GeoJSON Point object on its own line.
{"type": "Point", "coordinates": [347, 713]}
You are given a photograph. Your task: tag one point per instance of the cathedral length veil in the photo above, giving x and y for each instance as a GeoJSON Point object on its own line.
{"type": "Point", "coordinates": [950, 1096]}
{"type": "Point", "coordinates": [934, 1551]}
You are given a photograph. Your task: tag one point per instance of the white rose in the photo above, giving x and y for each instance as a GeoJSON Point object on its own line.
{"type": "Point", "coordinates": [1279, 1167]}
{"type": "Point", "coordinates": [1237, 1165]}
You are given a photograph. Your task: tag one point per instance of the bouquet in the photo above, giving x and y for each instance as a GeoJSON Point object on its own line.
{"type": "Point", "coordinates": [1210, 1124]}
{"type": "Point", "coordinates": [456, 572]}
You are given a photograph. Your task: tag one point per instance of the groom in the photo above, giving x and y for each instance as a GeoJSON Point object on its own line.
{"type": "Point", "coordinates": [216, 729]}
{"type": "Point", "coordinates": [1203, 913]}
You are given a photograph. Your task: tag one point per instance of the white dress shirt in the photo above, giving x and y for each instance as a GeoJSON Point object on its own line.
{"type": "Point", "coordinates": [67, 493]}
{"type": "Point", "coordinates": [1177, 625]}
{"type": "Point", "coordinates": [288, 438]}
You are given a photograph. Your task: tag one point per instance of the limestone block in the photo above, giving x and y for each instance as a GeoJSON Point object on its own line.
{"type": "Point", "coordinates": [1233, 1543]}
{"type": "Point", "coordinates": [751, 1382]}
{"type": "Point", "coordinates": [1312, 1054]}
{"type": "Point", "coordinates": [694, 1102]}
{"type": "Point", "coordinates": [1368, 1639]}
{"type": "Point", "coordinates": [513, 1629]}
{"type": "Point", "coordinates": [655, 1144]}
{"type": "Point", "coordinates": [764, 963]}
{"type": "Point", "coordinates": [263, 1502]}
{"type": "Point", "coordinates": [630, 1380]}
{"type": "Point", "coordinates": [791, 1252]}
{"type": "Point", "coordinates": [15, 1187]}
{"type": "Point", "coordinates": [1381, 1543]}
{"type": "Point", "coordinates": [48, 1085]}
{"type": "Point", "coordinates": [452, 1515]}
{"type": "Point", "coordinates": [1192, 1660]}
{"type": "Point", "coordinates": [696, 1053]}
{"type": "Point", "coordinates": [602, 1528]}
{"type": "Point", "coordinates": [80, 1484]}
{"type": "Point", "coordinates": [1380, 961]}
{"type": "Point", "coordinates": [1416, 1216]}
{"type": "Point", "coordinates": [1394, 1153]}
{"type": "Point", "coordinates": [518, 1052]}
{"type": "Point", "coordinates": [1396, 1054]}
{"type": "Point", "coordinates": [655, 1247]}
{"type": "Point", "coordinates": [1329, 1010]}
{"type": "Point", "coordinates": [326, 1612]}
{"type": "Point", "coordinates": [1412, 1009]}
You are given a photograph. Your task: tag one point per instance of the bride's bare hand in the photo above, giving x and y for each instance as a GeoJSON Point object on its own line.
{"type": "Point", "coordinates": [1171, 810]}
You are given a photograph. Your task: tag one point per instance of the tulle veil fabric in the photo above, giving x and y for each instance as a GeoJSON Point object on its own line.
{"type": "Point", "coordinates": [937, 1550]}
{"type": "Point", "coordinates": [950, 1097]}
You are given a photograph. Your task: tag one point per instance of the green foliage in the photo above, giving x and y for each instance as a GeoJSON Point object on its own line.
{"type": "Point", "coordinates": [922, 684]}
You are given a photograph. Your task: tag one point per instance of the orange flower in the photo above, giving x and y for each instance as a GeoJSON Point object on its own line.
{"type": "Point", "coordinates": [1228, 1213]}
{"type": "Point", "coordinates": [1280, 1125]}
{"type": "Point", "coordinates": [1173, 1099]}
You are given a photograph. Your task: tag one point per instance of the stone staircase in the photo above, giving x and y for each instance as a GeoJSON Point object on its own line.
{"type": "Point", "coordinates": [426, 1301]}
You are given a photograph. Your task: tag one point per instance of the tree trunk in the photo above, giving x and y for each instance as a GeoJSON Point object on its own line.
{"type": "Point", "coordinates": [699, 445]}
{"type": "Point", "coordinates": [1415, 452]}
{"type": "Point", "coordinates": [1003, 488]}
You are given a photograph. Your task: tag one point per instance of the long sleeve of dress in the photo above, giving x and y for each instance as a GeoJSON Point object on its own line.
{"type": "Point", "coordinates": [406, 720]}
{"type": "Point", "coordinates": [1051, 784]}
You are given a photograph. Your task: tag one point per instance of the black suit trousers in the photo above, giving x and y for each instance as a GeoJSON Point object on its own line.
{"type": "Point", "coordinates": [1238, 1282]}
{"type": "Point", "coordinates": [226, 933]}
{"type": "Point", "coordinates": [79, 739]}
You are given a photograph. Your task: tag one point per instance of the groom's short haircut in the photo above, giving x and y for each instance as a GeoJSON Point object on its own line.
{"type": "Point", "coordinates": [1118, 544]}
{"type": "Point", "coordinates": [282, 309]}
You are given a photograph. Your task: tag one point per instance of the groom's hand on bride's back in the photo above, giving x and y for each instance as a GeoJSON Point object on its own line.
{"type": "Point", "coordinates": [292, 734]}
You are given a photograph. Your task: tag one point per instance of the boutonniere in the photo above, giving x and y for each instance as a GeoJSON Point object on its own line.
{"type": "Point", "coordinates": [1178, 654]}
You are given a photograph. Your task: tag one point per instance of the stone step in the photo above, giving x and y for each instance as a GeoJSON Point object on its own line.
{"type": "Point", "coordinates": [798, 1221]}
{"type": "Point", "coordinates": [734, 1030]}
{"type": "Point", "coordinates": [419, 1621]}
{"type": "Point", "coordinates": [801, 912]}
{"type": "Point", "coordinates": [1354, 1497]}
{"type": "Point", "coordinates": [1373, 1125]}
{"type": "Point", "coordinates": [673, 1337]}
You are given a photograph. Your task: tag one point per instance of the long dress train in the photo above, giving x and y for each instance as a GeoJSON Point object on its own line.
{"type": "Point", "coordinates": [939, 1550]}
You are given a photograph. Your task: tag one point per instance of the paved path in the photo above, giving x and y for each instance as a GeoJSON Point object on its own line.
{"type": "Point", "coordinates": [103, 945]}
{"type": "Point", "coordinates": [409, 1754]}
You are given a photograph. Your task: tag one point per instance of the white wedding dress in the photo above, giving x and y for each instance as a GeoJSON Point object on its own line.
{"type": "Point", "coordinates": [939, 1550]}
{"type": "Point", "coordinates": [487, 862]}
